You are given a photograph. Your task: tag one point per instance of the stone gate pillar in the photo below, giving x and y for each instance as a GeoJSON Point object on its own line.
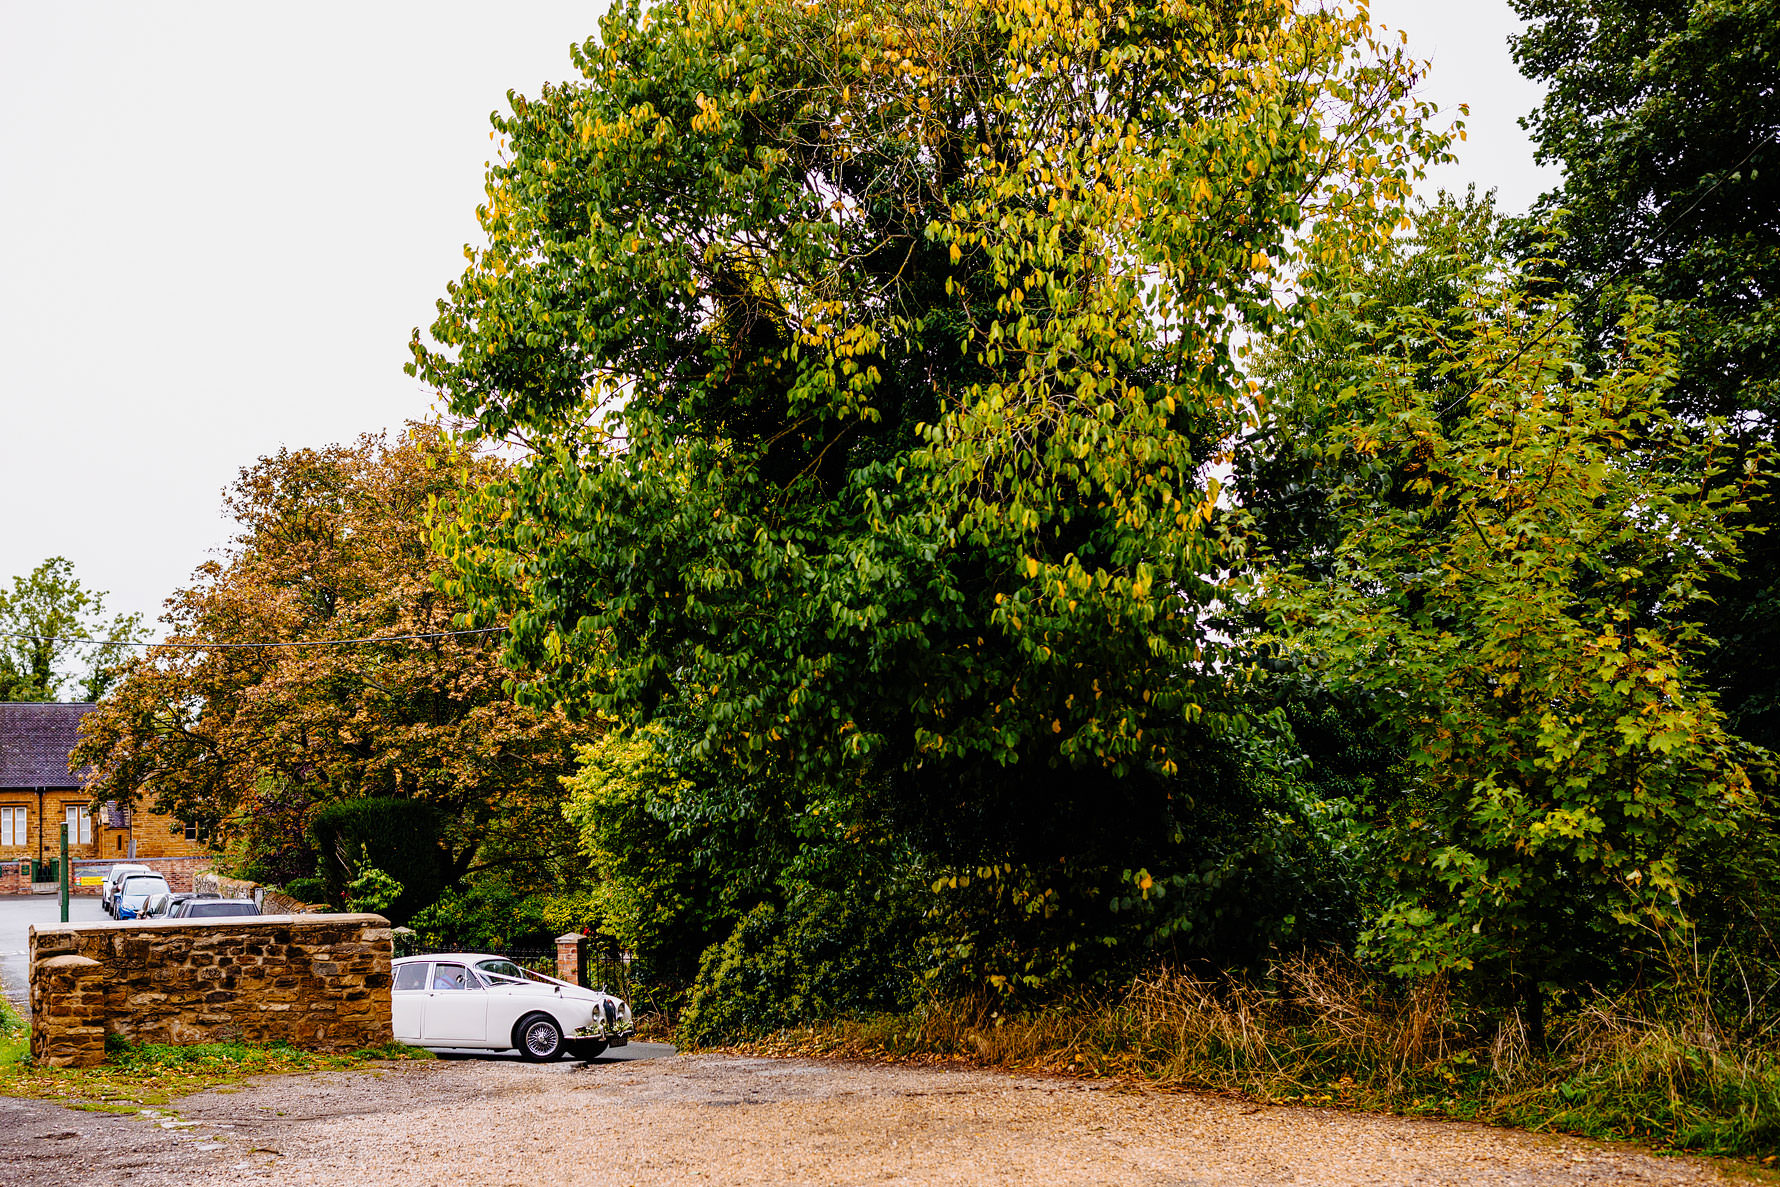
{"type": "Point", "coordinates": [571, 959]}
{"type": "Point", "coordinates": [68, 1012]}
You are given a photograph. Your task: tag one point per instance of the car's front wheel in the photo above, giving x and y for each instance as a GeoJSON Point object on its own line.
{"type": "Point", "coordinates": [538, 1038]}
{"type": "Point", "coordinates": [585, 1049]}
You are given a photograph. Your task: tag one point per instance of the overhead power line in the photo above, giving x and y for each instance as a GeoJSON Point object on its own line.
{"type": "Point", "coordinates": [205, 645]}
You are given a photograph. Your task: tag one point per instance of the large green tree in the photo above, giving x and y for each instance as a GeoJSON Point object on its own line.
{"type": "Point", "coordinates": [874, 360]}
{"type": "Point", "coordinates": [1665, 115]}
{"type": "Point", "coordinates": [44, 619]}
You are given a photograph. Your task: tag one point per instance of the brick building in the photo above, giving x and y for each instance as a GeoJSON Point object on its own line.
{"type": "Point", "coordinates": [38, 794]}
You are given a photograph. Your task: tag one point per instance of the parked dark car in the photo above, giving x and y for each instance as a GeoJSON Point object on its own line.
{"type": "Point", "coordinates": [212, 908]}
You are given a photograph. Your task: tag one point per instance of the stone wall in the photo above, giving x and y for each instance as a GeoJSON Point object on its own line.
{"type": "Point", "coordinates": [10, 880]}
{"type": "Point", "coordinates": [319, 982]}
{"type": "Point", "coordinates": [271, 900]}
{"type": "Point", "coordinates": [69, 1028]}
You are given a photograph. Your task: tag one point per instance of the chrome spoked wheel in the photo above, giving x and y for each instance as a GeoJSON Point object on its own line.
{"type": "Point", "coordinates": [540, 1040]}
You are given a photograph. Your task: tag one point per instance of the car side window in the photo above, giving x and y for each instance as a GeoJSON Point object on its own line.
{"type": "Point", "coordinates": [411, 976]}
{"type": "Point", "coordinates": [452, 976]}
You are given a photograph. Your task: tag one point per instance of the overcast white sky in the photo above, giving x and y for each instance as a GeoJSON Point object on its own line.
{"type": "Point", "coordinates": [223, 219]}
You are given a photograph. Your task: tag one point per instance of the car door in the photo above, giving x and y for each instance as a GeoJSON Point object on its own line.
{"type": "Point", "coordinates": [456, 1011]}
{"type": "Point", "coordinates": [407, 1000]}
{"type": "Point", "coordinates": [507, 1004]}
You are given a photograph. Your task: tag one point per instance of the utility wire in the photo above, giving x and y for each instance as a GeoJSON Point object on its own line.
{"type": "Point", "coordinates": [487, 630]}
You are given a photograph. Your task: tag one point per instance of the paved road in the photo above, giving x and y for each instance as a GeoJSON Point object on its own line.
{"type": "Point", "coordinates": [628, 1053]}
{"type": "Point", "coordinates": [17, 914]}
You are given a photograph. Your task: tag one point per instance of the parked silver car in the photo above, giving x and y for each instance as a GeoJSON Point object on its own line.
{"type": "Point", "coordinates": [212, 908]}
{"type": "Point", "coordinates": [115, 875]}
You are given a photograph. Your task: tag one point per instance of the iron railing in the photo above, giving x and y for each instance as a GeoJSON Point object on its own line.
{"type": "Point", "coordinates": [607, 972]}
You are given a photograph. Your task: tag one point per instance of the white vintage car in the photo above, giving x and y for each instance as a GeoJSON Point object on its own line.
{"type": "Point", "coordinates": [468, 999]}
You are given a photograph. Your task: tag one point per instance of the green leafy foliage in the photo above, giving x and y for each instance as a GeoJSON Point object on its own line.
{"type": "Point", "coordinates": [827, 952]}
{"type": "Point", "coordinates": [1521, 548]}
{"type": "Point", "coordinates": [495, 912]}
{"type": "Point", "coordinates": [723, 903]}
{"type": "Point", "coordinates": [653, 894]}
{"type": "Point", "coordinates": [1665, 115]}
{"type": "Point", "coordinates": [43, 617]}
{"type": "Point", "coordinates": [370, 888]}
{"type": "Point", "coordinates": [379, 847]}
{"type": "Point", "coordinates": [872, 360]}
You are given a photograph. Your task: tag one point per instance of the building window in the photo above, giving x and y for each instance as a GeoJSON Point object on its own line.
{"type": "Point", "coordinates": [12, 827]}
{"type": "Point", "coordinates": [120, 842]}
{"type": "Point", "coordinates": [80, 824]}
{"type": "Point", "coordinates": [191, 832]}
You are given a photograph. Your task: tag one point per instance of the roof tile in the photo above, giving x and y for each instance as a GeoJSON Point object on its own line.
{"type": "Point", "coordinates": [35, 741]}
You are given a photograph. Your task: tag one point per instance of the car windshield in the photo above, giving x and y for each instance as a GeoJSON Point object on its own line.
{"type": "Point", "coordinates": [137, 886]}
{"type": "Point", "coordinates": [501, 968]}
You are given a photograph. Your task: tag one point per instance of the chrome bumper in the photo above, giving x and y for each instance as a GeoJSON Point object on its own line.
{"type": "Point", "coordinates": [614, 1034]}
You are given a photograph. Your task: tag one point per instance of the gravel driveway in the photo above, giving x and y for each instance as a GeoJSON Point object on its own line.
{"type": "Point", "coordinates": [721, 1119]}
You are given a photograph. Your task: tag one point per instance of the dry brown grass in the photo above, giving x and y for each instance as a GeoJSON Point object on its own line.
{"type": "Point", "coordinates": [1322, 1030]}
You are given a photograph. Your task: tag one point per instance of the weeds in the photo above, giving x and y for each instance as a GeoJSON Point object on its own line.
{"type": "Point", "coordinates": [135, 1075]}
{"type": "Point", "coordinates": [1320, 1031]}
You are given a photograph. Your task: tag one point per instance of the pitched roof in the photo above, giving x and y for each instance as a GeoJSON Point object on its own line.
{"type": "Point", "coordinates": [35, 741]}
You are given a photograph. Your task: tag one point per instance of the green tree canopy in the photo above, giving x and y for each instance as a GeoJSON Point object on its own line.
{"type": "Point", "coordinates": [43, 618]}
{"type": "Point", "coordinates": [1512, 555]}
{"type": "Point", "coordinates": [1665, 115]}
{"type": "Point", "coordinates": [873, 359]}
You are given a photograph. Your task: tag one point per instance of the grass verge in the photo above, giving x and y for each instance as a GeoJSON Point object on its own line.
{"type": "Point", "coordinates": [1320, 1032]}
{"type": "Point", "coordinates": [136, 1075]}
{"type": "Point", "coordinates": [15, 1037]}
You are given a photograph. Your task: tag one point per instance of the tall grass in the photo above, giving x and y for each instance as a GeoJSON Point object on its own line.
{"type": "Point", "coordinates": [1322, 1031]}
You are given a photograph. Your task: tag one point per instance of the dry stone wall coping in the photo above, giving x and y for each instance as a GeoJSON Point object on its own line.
{"type": "Point", "coordinates": [314, 981]}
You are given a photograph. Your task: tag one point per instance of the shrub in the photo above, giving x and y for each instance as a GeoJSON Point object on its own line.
{"type": "Point", "coordinates": [307, 890]}
{"type": "Point", "coordinates": [398, 837]}
{"type": "Point", "coordinates": [824, 954]}
{"type": "Point", "coordinates": [488, 914]}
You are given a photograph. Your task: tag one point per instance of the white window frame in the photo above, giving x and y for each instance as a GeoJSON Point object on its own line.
{"type": "Point", "coordinates": [80, 824]}
{"type": "Point", "coordinates": [15, 827]}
